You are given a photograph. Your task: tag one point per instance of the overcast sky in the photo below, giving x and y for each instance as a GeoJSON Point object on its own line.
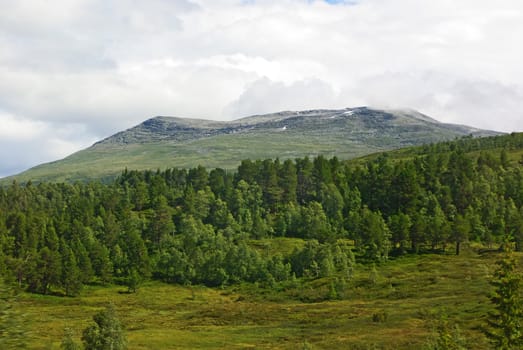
{"type": "Point", "coordinates": [75, 71]}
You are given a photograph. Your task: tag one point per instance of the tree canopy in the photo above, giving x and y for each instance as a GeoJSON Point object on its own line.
{"type": "Point", "coordinates": [198, 226]}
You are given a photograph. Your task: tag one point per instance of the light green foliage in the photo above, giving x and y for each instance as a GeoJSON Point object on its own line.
{"type": "Point", "coordinates": [506, 321]}
{"type": "Point", "coordinates": [133, 280]}
{"type": "Point", "coordinates": [314, 222]}
{"type": "Point", "coordinates": [107, 332]}
{"type": "Point", "coordinates": [306, 346]}
{"type": "Point", "coordinates": [166, 316]}
{"type": "Point", "coordinates": [447, 336]}
{"type": "Point", "coordinates": [68, 342]}
{"type": "Point", "coordinates": [375, 235]}
{"type": "Point", "coordinates": [374, 275]}
{"type": "Point", "coordinates": [13, 334]}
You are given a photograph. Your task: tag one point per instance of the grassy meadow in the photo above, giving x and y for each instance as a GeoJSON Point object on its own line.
{"type": "Point", "coordinates": [409, 293]}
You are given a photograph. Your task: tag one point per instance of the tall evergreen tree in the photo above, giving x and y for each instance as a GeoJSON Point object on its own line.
{"type": "Point", "coordinates": [505, 322]}
{"type": "Point", "coordinates": [460, 232]}
{"type": "Point", "coordinates": [161, 223]}
{"type": "Point", "coordinates": [288, 181]}
{"type": "Point", "coordinates": [70, 279]}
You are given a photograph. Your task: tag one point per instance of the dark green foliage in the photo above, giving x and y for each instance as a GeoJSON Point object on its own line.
{"type": "Point", "coordinates": [83, 262]}
{"type": "Point", "coordinates": [100, 259]}
{"type": "Point", "coordinates": [107, 332]}
{"type": "Point", "coordinates": [399, 226]}
{"type": "Point", "coordinates": [194, 226]}
{"type": "Point", "coordinates": [380, 317]}
{"type": "Point", "coordinates": [70, 273]}
{"type": "Point", "coordinates": [460, 231]}
{"type": "Point", "coordinates": [45, 272]}
{"type": "Point", "coordinates": [133, 280]}
{"type": "Point", "coordinates": [161, 223]}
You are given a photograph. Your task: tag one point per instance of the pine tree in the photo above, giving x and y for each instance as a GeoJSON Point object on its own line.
{"type": "Point", "coordinates": [162, 224]}
{"type": "Point", "coordinates": [71, 275]}
{"type": "Point", "coordinates": [46, 272]}
{"type": "Point", "coordinates": [460, 231]}
{"type": "Point", "coordinates": [505, 322]}
{"type": "Point", "coordinates": [83, 262]}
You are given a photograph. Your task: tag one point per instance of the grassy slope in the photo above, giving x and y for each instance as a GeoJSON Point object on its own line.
{"type": "Point", "coordinates": [411, 290]}
{"type": "Point", "coordinates": [344, 137]}
{"type": "Point", "coordinates": [219, 151]}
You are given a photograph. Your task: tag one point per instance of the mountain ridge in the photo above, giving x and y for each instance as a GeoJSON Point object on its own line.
{"type": "Point", "coordinates": [174, 128]}
{"type": "Point", "coordinates": [163, 141]}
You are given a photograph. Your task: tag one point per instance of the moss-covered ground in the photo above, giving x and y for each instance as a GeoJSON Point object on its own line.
{"type": "Point", "coordinates": [411, 292]}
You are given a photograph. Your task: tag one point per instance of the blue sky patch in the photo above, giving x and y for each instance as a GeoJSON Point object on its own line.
{"type": "Point", "coordinates": [336, 2]}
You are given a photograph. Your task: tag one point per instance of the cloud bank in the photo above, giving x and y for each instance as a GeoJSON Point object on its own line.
{"type": "Point", "coordinates": [75, 71]}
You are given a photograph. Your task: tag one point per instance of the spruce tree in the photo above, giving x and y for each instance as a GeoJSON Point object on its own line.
{"type": "Point", "coordinates": [71, 275]}
{"type": "Point", "coordinates": [505, 322]}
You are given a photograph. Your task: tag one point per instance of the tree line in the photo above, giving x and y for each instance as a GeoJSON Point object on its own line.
{"type": "Point", "coordinates": [195, 226]}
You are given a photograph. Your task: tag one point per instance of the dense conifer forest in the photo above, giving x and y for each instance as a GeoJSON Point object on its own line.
{"type": "Point", "coordinates": [200, 226]}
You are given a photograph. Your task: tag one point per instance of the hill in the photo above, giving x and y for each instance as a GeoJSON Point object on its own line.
{"type": "Point", "coordinates": [163, 142]}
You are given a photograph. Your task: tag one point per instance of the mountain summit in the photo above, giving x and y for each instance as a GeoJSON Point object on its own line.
{"type": "Point", "coordinates": [163, 142]}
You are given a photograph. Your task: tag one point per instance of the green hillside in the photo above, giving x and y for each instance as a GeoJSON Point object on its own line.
{"type": "Point", "coordinates": [397, 250]}
{"type": "Point", "coordinates": [165, 142]}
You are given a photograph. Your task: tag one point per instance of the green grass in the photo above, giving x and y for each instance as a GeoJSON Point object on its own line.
{"type": "Point", "coordinates": [277, 245]}
{"type": "Point", "coordinates": [219, 151]}
{"type": "Point", "coordinates": [412, 291]}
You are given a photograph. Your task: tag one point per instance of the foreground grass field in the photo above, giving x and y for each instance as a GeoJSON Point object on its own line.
{"type": "Point", "coordinates": [411, 292]}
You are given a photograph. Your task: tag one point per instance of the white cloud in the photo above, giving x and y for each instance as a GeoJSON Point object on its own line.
{"type": "Point", "coordinates": [24, 142]}
{"type": "Point", "coordinates": [448, 98]}
{"type": "Point", "coordinates": [105, 66]}
{"type": "Point", "coordinates": [266, 96]}
{"type": "Point", "coordinates": [18, 129]}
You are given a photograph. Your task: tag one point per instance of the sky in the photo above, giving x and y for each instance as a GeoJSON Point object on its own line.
{"type": "Point", "coordinates": [73, 72]}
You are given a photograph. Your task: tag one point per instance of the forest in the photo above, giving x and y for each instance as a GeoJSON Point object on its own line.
{"type": "Point", "coordinates": [199, 226]}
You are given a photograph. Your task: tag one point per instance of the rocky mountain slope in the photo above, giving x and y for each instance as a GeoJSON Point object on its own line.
{"type": "Point", "coordinates": [163, 142]}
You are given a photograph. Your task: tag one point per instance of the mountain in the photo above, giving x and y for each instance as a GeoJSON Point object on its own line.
{"type": "Point", "coordinates": [164, 142]}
